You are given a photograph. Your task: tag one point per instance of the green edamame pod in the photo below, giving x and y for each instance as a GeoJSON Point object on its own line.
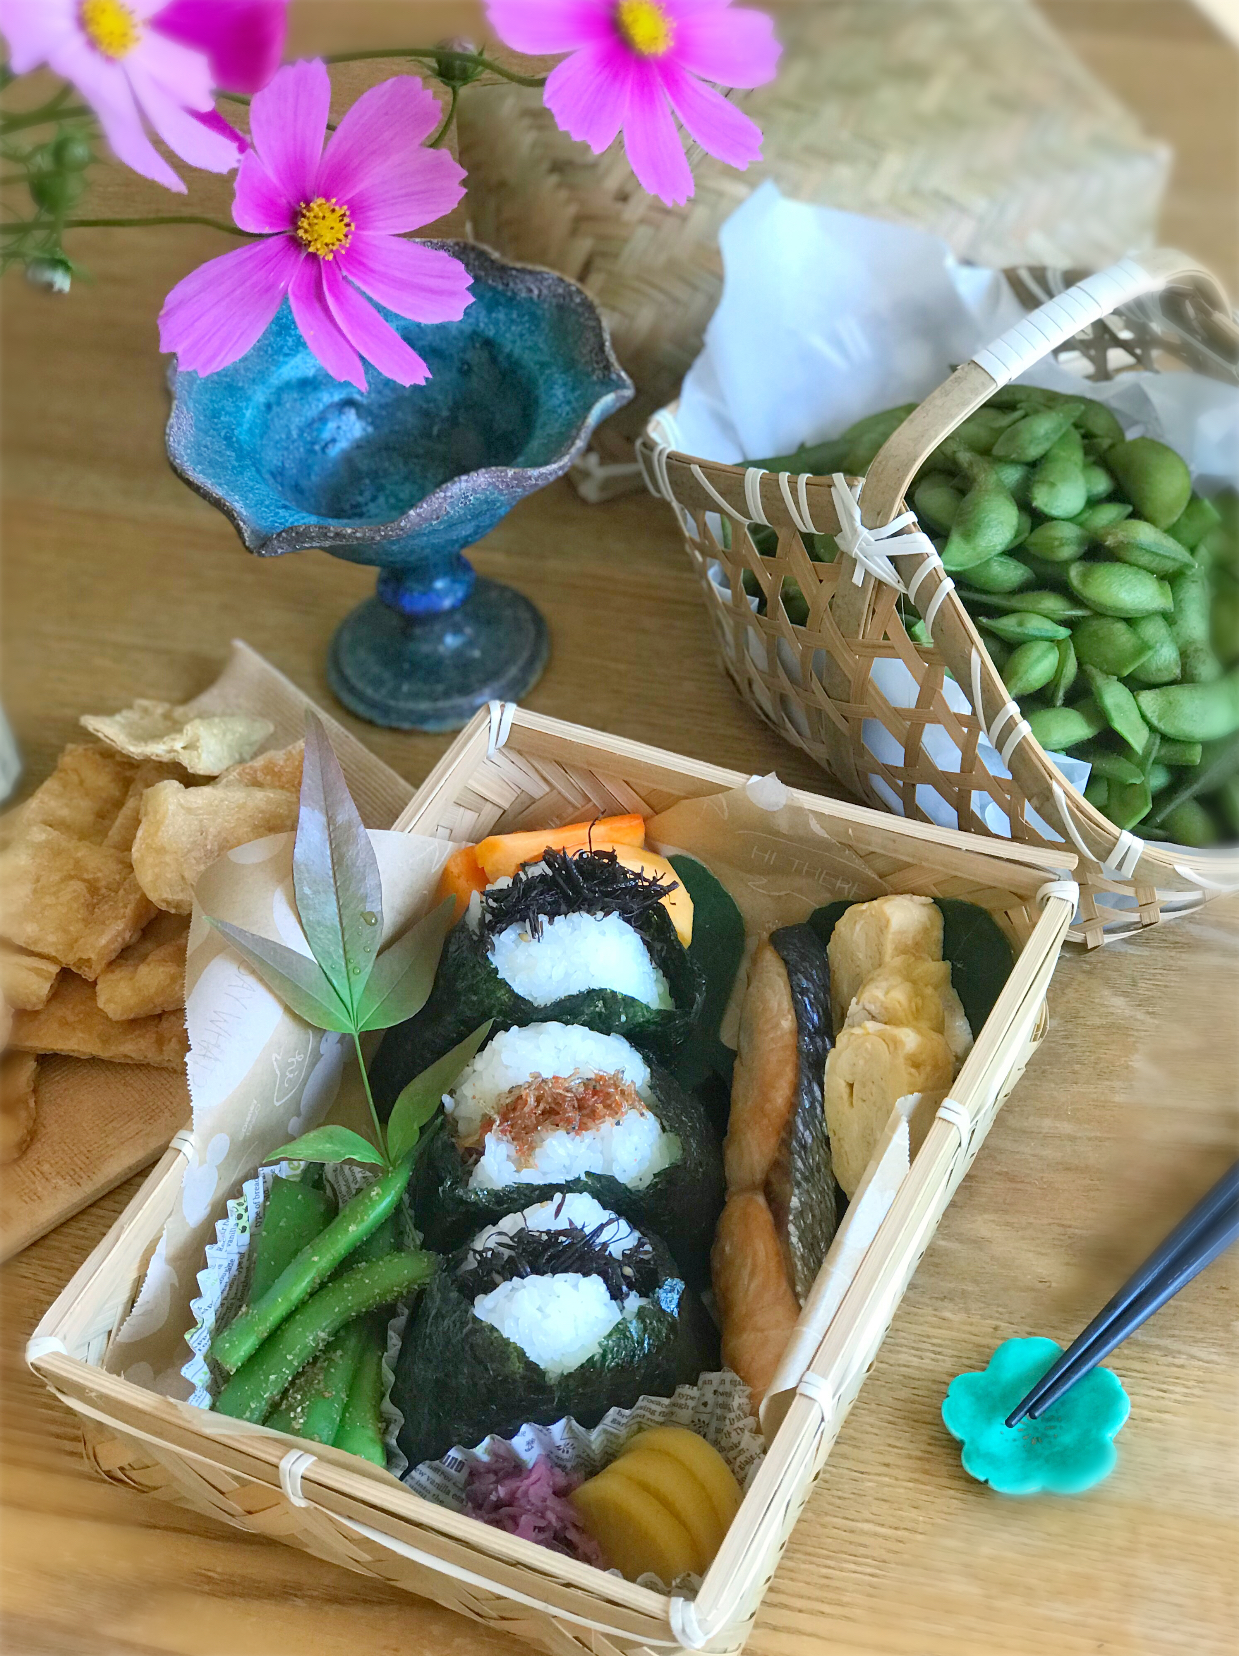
{"type": "Point", "coordinates": [1190, 626]}
{"type": "Point", "coordinates": [1180, 753]}
{"type": "Point", "coordinates": [1135, 542]}
{"type": "Point", "coordinates": [1194, 522]}
{"type": "Point", "coordinates": [1193, 712]}
{"type": "Point", "coordinates": [1023, 625]}
{"type": "Point", "coordinates": [1119, 589]}
{"type": "Point", "coordinates": [1227, 802]}
{"type": "Point", "coordinates": [977, 468]}
{"type": "Point", "coordinates": [295, 1213]}
{"type": "Point", "coordinates": [1064, 674]}
{"type": "Point", "coordinates": [361, 1426]}
{"type": "Point", "coordinates": [1162, 664]}
{"type": "Point", "coordinates": [1060, 728]}
{"type": "Point", "coordinates": [1001, 574]}
{"type": "Point", "coordinates": [983, 527]}
{"type": "Point", "coordinates": [1153, 477]}
{"type": "Point", "coordinates": [1219, 550]}
{"type": "Point", "coordinates": [1160, 776]}
{"type": "Point", "coordinates": [794, 602]}
{"type": "Point", "coordinates": [982, 428]}
{"type": "Point", "coordinates": [1190, 823]}
{"type": "Point", "coordinates": [1057, 542]}
{"type": "Point", "coordinates": [1105, 642]}
{"type": "Point", "coordinates": [820, 547]}
{"type": "Point", "coordinates": [1113, 766]}
{"type": "Point", "coordinates": [818, 459]}
{"type": "Point", "coordinates": [1022, 397]}
{"type": "Point", "coordinates": [1098, 482]}
{"type": "Point", "coordinates": [1106, 513]}
{"type": "Point", "coordinates": [1097, 792]}
{"type": "Point", "coordinates": [1058, 489]}
{"type": "Point", "coordinates": [312, 1266]}
{"type": "Point", "coordinates": [1219, 762]}
{"type": "Point", "coordinates": [1055, 606]}
{"type": "Point", "coordinates": [1096, 420]}
{"type": "Point", "coordinates": [1031, 667]}
{"type": "Point", "coordinates": [1129, 802]}
{"type": "Point", "coordinates": [918, 632]}
{"type": "Point", "coordinates": [1119, 706]}
{"type": "Point", "coordinates": [266, 1375]}
{"type": "Point", "coordinates": [1223, 622]}
{"type": "Point", "coordinates": [866, 437]}
{"type": "Point", "coordinates": [1021, 532]}
{"type": "Point", "coordinates": [936, 501]}
{"type": "Point", "coordinates": [1033, 436]}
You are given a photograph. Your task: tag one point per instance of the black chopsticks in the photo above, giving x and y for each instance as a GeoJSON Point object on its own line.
{"type": "Point", "coordinates": [1211, 1227]}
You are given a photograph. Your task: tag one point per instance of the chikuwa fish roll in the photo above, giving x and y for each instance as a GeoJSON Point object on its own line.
{"type": "Point", "coordinates": [576, 938]}
{"type": "Point", "coordinates": [561, 1309]}
{"type": "Point", "coordinates": [552, 1107]}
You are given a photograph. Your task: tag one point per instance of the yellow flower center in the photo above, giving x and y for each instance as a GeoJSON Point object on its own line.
{"type": "Point", "coordinates": [324, 227]}
{"type": "Point", "coordinates": [110, 27]}
{"type": "Point", "coordinates": [645, 26]}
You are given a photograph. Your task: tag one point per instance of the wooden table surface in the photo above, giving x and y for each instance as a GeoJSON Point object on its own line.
{"type": "Point", "coordinates": [120, 583]}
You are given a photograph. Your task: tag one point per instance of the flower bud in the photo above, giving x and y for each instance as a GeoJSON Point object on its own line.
{"type": "Point", "coordinates": [451, 71]}
{"type": "Point", "coordinates": [50, 271]}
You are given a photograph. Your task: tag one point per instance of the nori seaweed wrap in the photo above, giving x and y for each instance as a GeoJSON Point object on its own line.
{"type": "Point", "coordinates": [554, 1277]}
{"type": "Point", "coordinates": [469, 989]}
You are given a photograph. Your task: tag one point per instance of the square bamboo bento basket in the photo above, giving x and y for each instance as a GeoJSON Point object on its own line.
{"type": "Point", "coordinates": [511, 769]}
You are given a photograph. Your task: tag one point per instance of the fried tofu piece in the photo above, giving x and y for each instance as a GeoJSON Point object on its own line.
{"type": "Point", "coordinates": [278, 769]}
{"type": "Point", "coordinates": [763, 1088]}
{"type": "Point", "coordinates": [70, 899]}
{"type": "Point", "coordinates": [184, 830]}
{"type": "Point", "coordinates": [872, 1067]}
{"type": "Point", "coordinates": [25, 979]}
{"type": "Point", "coordinates": [868, 935]}
{"type": "Point", "coordinates": [756, 1305]}
{"type": "Point", "coordinates": [149, 976]}
{"type": "Point", "coordinates": [205, 744]}
{"type": "Point", "coordinates": [73, 1023]}
{"type": "Point", "coordinates": [18, 1109]}
{"type": "Point", "coordinates": [917, 993]}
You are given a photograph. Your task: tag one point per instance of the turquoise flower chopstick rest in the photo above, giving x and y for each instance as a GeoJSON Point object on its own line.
{"type": "Point", "coordinates": [1068, 1450]}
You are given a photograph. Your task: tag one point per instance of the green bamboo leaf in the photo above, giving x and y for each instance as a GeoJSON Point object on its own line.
{"type": "Point", "coordinates": [418, 1101]}
{"type": "Point", "coordinates": [300, 983]}
{"type": "Point", "coordinates": [328, 1144]}
{"type": "Point", "coordinates": [403, 974]}
{"type": "Point", "coordinates": [335, 873]}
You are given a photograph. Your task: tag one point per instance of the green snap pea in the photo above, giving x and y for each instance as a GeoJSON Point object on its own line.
{"type": "Point", "coordinates": [1064, 673]}
{"type": "Point", "coordinates": [311, 1267]}
{"type": "Point", "coordinates": [1058, 543]}
{"type": "Point", "coordinates": [314, 1403]}
{"type": "Point", "coordinates": [1000, 574]}
{"type": "Point", "coordinates": [1119, 706]}
{"type": "Point", "coordinates": [1193, 712]}
{"type": "Point", "coordinates": [267, 1374]}
{"type": "Point", "coordinates": [983, 527]}
{"type": "Point", "coordinates": [1119, 589]}
{"type": "Point", "coordinates": [1058, 488]}
{"type": "Point", "coordinates": [936, 501]}
{"type": "Point", "coordinates": [1180, 753]}
{"type": "Point", "coordinates": [1096, 420]}
{"type": "Point", "coordinates": [1190, 626]}
{"type": "Point", "coordinates": [1023, 625]}
{"type": "Point", "coordinates": [361, 1426]}
{"type": "Point", "coordinates": [1161, 665]}
{"type": "Point", "coordinates": [1195, 522]}
{"type": "Point", "coordinates": [295, 1213]}
{"type": "Point", "coordinates": [1112, 645]}
{"type": "Point", "coordinates": [1033, 436]}
{"type": "Point", "coordinates": [1060, 728]}
{"type": "Point", "coordinates": [1153, 477]}
{"type": "Point", "coordinates": [1190, 823]}
{"type": "Point", "coordinates": [866, 437]}
{"type": "Point", "coordinates": [1098, 482]}
{"type": "Point", "coordinates": [1106, 513]}
{"type": "Point", "coordinates": [1030, 667]}
{"type": "Point", "coordinates": [1135, 542]}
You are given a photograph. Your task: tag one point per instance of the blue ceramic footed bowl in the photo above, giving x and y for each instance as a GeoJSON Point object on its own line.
{"type": "Point", "coordinates": [406, 478]}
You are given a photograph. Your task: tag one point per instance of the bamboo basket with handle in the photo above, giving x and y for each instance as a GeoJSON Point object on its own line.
{"type": "Point", "coordinates": [814, 682]}
{"type": "Point", "coordinates": [511, 770]}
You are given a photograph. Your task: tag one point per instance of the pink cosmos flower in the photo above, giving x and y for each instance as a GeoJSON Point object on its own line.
{"type": "Point", "coordinates": [243, 39]}
{"type": "Point", "coordinates": [635, 61]}
{"type": "Point", "coordinates": [119, 57]}
{"type": "Point", "coordinates": [330, 220]}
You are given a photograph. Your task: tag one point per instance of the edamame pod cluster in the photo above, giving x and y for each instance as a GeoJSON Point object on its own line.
{"type": "Point", "coordinates": [1107, 593]}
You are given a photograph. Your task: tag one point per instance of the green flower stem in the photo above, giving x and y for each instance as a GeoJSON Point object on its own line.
{"type": "Point", "coordinates": [445, 124]}
{"type": "Point", "coordinates": [139, 223]}
{"type": "Point", "coordinates": [380, 1140]}
{"type": "Point", "coordinates": [51, 111]}
{"type": "Point", "coordinates": [435, 54]}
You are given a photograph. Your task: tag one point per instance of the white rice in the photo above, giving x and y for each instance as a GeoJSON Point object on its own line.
{"type": "Point", "coordinates": [577, 952]}
{"type": "Point", "coordinates": [633, 1149]}
{"type": "Point", "coordinates": [559, 1321]}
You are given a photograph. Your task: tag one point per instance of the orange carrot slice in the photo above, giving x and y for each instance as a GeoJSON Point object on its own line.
{"type": "Point", "coordinates": [503, 854]}
{"type": "Point", "coordinates": [461, 875]}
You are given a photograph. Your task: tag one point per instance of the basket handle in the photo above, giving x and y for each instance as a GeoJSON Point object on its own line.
{"type": "Point", "coordinates": [1031, 339]}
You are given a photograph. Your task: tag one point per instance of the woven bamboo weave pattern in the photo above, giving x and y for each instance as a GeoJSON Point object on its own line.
{"type": "Point", "coordinates": [970, 120]}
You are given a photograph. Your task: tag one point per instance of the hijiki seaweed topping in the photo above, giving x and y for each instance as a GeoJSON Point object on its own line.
{"type": "Point", "coordinates": [525, 1114]}
{"type": "Point", "coordinates": [552, 1252]}
{"type": "Point", "coordinates": [589, 882]}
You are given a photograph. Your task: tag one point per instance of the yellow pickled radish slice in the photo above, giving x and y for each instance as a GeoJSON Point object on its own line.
{"type": "Point", "coordinates": [634, 1530]}
{"type": "Point", "coordinates": [701, 1458]}
{"type": "Point", "coordinates": [670, 1482]}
